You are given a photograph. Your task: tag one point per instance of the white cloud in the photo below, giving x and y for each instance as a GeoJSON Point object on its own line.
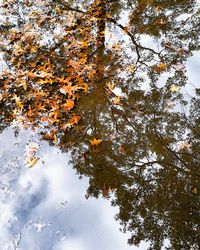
{"type": "Point", "coordinates": [48, 209]}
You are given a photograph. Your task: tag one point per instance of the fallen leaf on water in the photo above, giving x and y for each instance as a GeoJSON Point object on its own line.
{"type": "Point", "coordinates": [68, 105]}
{"type": "Point", "coordinates": [174, 88]}
{"type": "Point", "coordinates": [121, 150]}
{"type": "Point", "coordinates": [117, 100]}
{"type": "Point", "coordinates": [194, 190]}
{"type": "Point", "coordinates": [31, 161]}
{"type": "Point", "coordinates": [74, 120]}
{"type": "Point", "coordinates": [48, 136]}
{"type": "Point", "coordinates": [106, 190]}
{"type": "Point", "coordinates": [185, 145]}
{"type": "Point", "coordinates": [31, 150]}
{"type": "Point", "coordinates": [131, 68]}
{"type": "Point", "coordinates": [95, 142]}
{"type": "Point", "coordinates": [110, 86]}
{"type": "Point", "coordinates": [160, 67]}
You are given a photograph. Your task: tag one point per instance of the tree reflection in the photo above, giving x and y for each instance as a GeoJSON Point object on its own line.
{"type": "Point", "coordinates": [148, 158]}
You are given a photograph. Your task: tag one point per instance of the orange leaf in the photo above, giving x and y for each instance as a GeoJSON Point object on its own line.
{"type": "Point", "coordinates": [68, 105]}
{"type": "Point", "coordinates": [74, 64]}
{"type": "Point", "coordinates": [84, 87]}
{"type": "Point", "coordinates": [74, 120]}
{"type": "Point", "coordinates": [95, 142]}
{"type": "Point", "coordinates": [68, 89]}
{"type": "Point", "coordinates": [160, 67]}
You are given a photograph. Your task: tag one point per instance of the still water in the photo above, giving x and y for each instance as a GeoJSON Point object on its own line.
{"type": "Point", "coordinates": [99, 125]}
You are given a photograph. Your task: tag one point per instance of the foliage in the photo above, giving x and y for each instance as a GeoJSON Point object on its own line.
{"type": "Point", "coordinates": [71, 76]}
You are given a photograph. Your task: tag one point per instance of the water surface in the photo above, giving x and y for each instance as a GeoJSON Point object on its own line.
{"type": "Point", "coordinates": [113, 88]}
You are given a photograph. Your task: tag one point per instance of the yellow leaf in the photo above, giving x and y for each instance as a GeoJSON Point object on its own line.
{"type": "Point", "coordinates": [32, 161]}
{"type": "Point", "coordinates": [33, 49]}
{"type": "Point", "coordinates": [110, 86]}
{"type": "Point", "coordinates": [53, 120]}
{"type": "Point", "coordinates": [55, 138]}
{"type": "Point", "coordinates": [105, 32]}
{"type": "Point", "coordinates": [131, 68]}
{"type": "Point", "coordinates": [18, 102]}
{"type": "Point", "coordinates": [84, 87]}
{"type": "Point", "coordinates": [95, 142]}
{"type": "Point", "coordinates": [17, 49]}
{"type": "Point", "coordinates": [117, 100]}
{"type": "Point", "coordinates": [174, 88]}
{"type": "Point", "coordinates": [58, 10]}
{"type": "Point", "coordinates": [162, 66]}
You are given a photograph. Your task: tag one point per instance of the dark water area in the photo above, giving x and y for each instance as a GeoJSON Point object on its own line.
{"type": "Point", "coordinates": [114, 87]}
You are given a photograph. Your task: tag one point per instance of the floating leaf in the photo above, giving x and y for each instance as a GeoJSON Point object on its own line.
{"type": "Point", "coordinates": [74, 120]}
{"type": "Point", "coordinates": [160, 67]}
{"type": "Point", "coordinates": [194, 190]}
{"type": "Point", "coordinates": [110, 86]}
{"type": "Point", "coordinates": [106, 190]}
{"type": "Point", "coordinates": [121, 150]}
{"type": "Point", "coordinates": [68, 105]}
{"type": "Point", "coordinates": [131, 68]}
{"type": "Point", "coordinates": [117, 100]}
{"type": "Point", "coordinates": [174, 88]}
{"type": "Point", "coordinates": [95, 142]}
{"type": "Point", "coordinates": [185, 145]}
{"type": "Point", "coordinates": [32, 161]}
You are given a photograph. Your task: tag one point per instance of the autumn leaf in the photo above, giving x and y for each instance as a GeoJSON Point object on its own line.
{"type": "Point", "coordinates": [106, 190]}
{"type": "Point", "coordinates": [18, 102]}
{"type": "Point", "coordinates": [110, 86]}
{"type": "Point", "coordinates": [53, 120]}
{"type": "Point", "coordinates": [68, 89]}
{"type": "Point", "coordinates": [194, 190]}
{"type": "Point", "coordinates": [174, 88]}
{"type": "Point", "coordinates": [84, 87]}
{"type": "Point", "coordinates": [31, 150]}
{"type": "Point", "coordinates": [117, 100]}
{"type": "Point", "coordinates": [74, 120]}
{"type": "Point", "coordinates": [48, 136]}
{"type": "Point", "coordinates": [17, 49]}
{"type": "Point", "coordinates": [105, 32]}
{"type": "Point", "coordinates": [95, 142]}
{"type": "Point", "coordinates": [121, 150]}
{"type": "Point", "coordinates": [185, 145]}
{"type": "Point", "coordinates": [74, 64]}
{"type": "Point", "coordinates": [32, 161]}
{"type": "Point", "coordinates": [160, 67]}
{"type": "Point", "coordinates": [68, 105]}
{"type": "Point", "coordinates": [131, 68]}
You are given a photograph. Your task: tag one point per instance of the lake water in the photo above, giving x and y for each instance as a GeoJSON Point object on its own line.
{"type": "Point", "coordinates": [99, 121]}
